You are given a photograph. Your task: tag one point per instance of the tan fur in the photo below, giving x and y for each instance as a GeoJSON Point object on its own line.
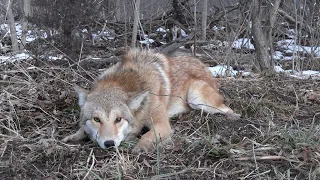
{"type": "Point", "coordinates": [145, 90]}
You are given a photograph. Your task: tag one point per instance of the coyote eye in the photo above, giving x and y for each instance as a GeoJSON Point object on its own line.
{"type": "Point", "coordinates": [118, 119]}
{"type": "Point", "coordinates": [96, 119]}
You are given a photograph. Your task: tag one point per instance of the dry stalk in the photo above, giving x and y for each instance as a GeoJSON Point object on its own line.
{"type": "Point", "coordinates": [92, 157]}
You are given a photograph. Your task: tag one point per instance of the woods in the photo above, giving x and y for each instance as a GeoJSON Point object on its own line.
{"type": "Point", "coordinates": [264, 22]}
{"type": "Point", "coordinates": [264, 55]}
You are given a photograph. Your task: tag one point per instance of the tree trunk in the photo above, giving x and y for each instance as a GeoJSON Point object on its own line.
{"type": "Point", "coordinates": [125, 25]}
{"type": "Point", "coordinates": [26, 13]}
{"type": "Point", "coordinates": [260, 43]}
{"type": "Point", "coordinates": [272, 19]}
{"type": "Point", "coordinates": [14, 39]}
{"type": "Point", "coordinates": [195, 28]}
{"type": "Point", "coordinates": [204, 20]}
{"type": "Point", "coordinates": [118, 10]}
{"type": "Point", "coordinates": [135, 23]}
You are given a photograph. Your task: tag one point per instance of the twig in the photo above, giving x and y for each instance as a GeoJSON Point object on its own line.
{"type": "Point", "coordinates": [259, 174]}
{"type": "Point", "coordinates": [38, 170]}
{"type": "Point", "coordinates": [81, 50]}
{"type": "Point", "coordinates": [255, 160]}
{"type": "Point", "coordinates": [91, 156]}
{"type": "Point", "coordinates": [168, 174]}
{"type": "Point", "coordinates": [313, 120]}
{"type": "Point", "coordinates": [259, 158]}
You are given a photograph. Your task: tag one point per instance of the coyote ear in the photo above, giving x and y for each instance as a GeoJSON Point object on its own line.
{"type": "Point", "coordinates": [136, 100]}
{"type": "Point", "coordinates": [82, 94]}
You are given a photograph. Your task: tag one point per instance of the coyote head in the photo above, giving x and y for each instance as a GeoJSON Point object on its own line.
{"type": "Point", "coordinates": [107, 115]}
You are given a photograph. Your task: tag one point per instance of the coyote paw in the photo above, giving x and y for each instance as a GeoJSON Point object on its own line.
{"type": "Point", "coordinates": [233, 116]}
{"type": "Point", "coordinates": [137, 150]}
{"type": "Point", "coordinates": [79, 135]}
{"type": "Point", "coordinates": [67, 139]}
{"type": "Point", "coordinates": [142, 147]}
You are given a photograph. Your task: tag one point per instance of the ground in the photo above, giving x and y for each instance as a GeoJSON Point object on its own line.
{"type": "Point", "coordinates": [277, 137]}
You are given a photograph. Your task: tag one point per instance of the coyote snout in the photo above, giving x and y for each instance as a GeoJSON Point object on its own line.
{"type": "Point", "coordinates": [145, 90]}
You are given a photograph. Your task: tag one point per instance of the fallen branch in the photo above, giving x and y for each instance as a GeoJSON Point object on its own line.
{"type": "Point", "coordinates": [293, 20]}
{"type": "Point", "coordinates": [260, 158]}
{"type": "Point", "coordinates": [168, 49]}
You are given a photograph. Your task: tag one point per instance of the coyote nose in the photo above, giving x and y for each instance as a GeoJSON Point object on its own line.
{"type": "Point", "coordinates": [109, 143]}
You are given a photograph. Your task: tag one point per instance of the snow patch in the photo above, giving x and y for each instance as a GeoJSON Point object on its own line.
{"type": "Point", "coordinates": [277, 55]}
{"type": "Point", "coordinates": [278, 69]}
{"type": "Point", "coordinates": [289, 46]}
{"type": "Point", "coordinates": [161, 29]}
{"type": "Point", "coordinates": [299, 74]}
{"type": "Point", "coordinates": [218, 28]}
{"type": "Point", "coordinates": [147, 41]}
{"type": "Point", "coordinates": [291, 33]}
{"type": "Point", "coordinates": [30, 36]}
{"type": "Point", "coordinates": [221, 71]}
{"type": "Point", "coordinates": [215, 44]}
{"type": "Point", "coordinates": [287, 58]}
{"type": "Point", "coordinates": [306, 74]}
{"type": "Point", "coordinates": [53, 58]}
{"type": "Point", "coordinates": [183, 33]}
{"type": "Point", "coordinates": [108, 34]}
{"type": "Point", "coordinates": [242, 43]}
{"type": "Point", "coordinates": [14, 58]}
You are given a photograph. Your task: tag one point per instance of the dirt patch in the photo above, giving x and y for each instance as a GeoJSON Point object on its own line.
{"type": "Point", "coordinates": [277, 137]}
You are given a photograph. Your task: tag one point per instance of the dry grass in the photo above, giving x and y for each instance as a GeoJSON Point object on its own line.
{"type": "Point", "coordinates": [278, 136]}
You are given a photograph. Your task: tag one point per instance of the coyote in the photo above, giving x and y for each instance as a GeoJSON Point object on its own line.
{"type": "Point", "coordinates": [143, 91]}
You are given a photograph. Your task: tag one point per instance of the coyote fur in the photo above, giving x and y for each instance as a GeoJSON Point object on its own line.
{"type": "Point", "coordinates": [144, 90]}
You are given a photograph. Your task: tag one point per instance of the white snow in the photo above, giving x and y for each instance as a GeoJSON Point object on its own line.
{"type": "Point", "coordinates": [278, 55]}
{"type": "Point", "coordinates": [289, 46]}
{"type": "Point", "coordinates": [221, 71]}
{"type": "Point", "coordinates": [31, 35]}
{"type": "Point", "coordinates": [14, 58]}
{"type": "Point", "coordinates": [218, 28]}
{"type": "Point", "coordinates": [94, 36]}
{"type": "Point", "coordinates": [285, 42]}
{"type": "Point", "coordinates": [310, 72]}
{"type": "Point", "coordinates": [147, 41]}
{"type": "Point", "coordinates": [242, 43]}
{"type": "Point", "coordinates": [144, 36]}
{"type": "Point", "coordinates": [107, 33]}
{"type": "Point", "coordinates": [278, 69]}
{"type": "Point", "coordinates": [287, 58]}
{"type": "Point", "coordinates": [286, 45]}
{"type": "Point", "coordinates": [245, 73]}
{"type": "Point", "coordinates": [215, 44]}
{"type": "Point", "coordinates": [291, 33]}
{"type": "Point", "coordinates": [52, 58]}
{"type": "Point", "coordinates": [7, 28]}
{"type": "Point", "coordinates": [183, 33]}
{"type": "Point", "coordinates": [299, 74]}
{"type": "Point", "coordinates": [161, 29]}
{"type": "Point", "coordinates": [306, 74]}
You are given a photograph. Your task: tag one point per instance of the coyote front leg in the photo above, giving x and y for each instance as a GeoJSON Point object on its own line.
{"type": "Point", "coordinates": [78, 136]}
{"type": "Point", "coordinates": [159, 131]}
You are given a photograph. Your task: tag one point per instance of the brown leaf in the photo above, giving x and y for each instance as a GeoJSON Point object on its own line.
{"type": "Point", "coordinates": [306, 154]}
{"type": "Point", "coordinates": [145, 162]}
